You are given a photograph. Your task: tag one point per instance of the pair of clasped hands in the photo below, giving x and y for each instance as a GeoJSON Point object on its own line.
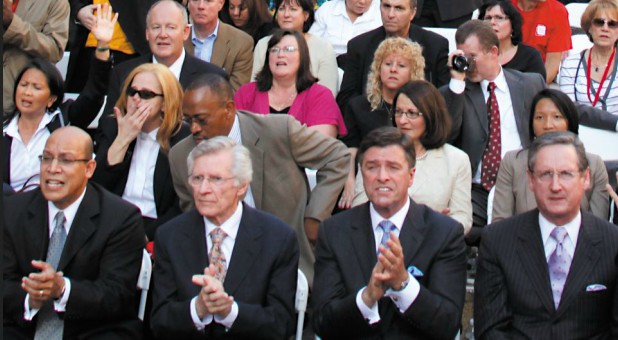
{"type": "Point", "coordinates": [389, 271]}
{"type": "Point", "coordinates": [43, 285]}
{"type": "Point", "coordinates": [212, 298]}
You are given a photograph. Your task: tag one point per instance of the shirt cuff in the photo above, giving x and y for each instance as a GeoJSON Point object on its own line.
{"type": "Point", "coordinates": [29, 313]}
{"type": "Point", "coordinates": [199, 324]}
{"type": "Point", "coordinates": [371, 314]}
{"type": "Point", "coordinates": [405, 297]}
{"type": "Point", "coordinates": [457, 86]}
{"type": "Point", "coordinates": [60, 305]}
{"type": "Point", "coordinates": [228, 321]}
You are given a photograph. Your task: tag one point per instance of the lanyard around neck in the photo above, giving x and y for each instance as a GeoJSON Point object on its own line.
{"type": "Point", "coordinates": [589, 81]}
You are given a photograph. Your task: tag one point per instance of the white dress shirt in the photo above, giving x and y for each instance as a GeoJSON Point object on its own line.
{"type": "Point", "coordinates": [204, 47]}
{"type": "Point", "coordinates": [230, 227]}
{"type": "Point", "coordinates": [176, 67]}
{"type": "Point", "coordinates": [403, 298]}
{"type": "Point", "coordinates": [570, 241]}
{"type": "Point", "coordinates": [139, 188]}
{"type": "Point", "coordinates": [25, 164]}
{"type": "Point", "coordinates": [509, 135]}
{"type": "Point", "coordinates": [333, 23]}
{"type": "Point", "coordinates": [69, 214]}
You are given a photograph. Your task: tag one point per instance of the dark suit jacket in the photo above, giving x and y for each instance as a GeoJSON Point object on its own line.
{"type": "Point", "coordinates": [345, 257]}
{"type": "Point", "coordinates": [469, 113]}
{"type": "Point", "coordinates": [79, 112]}
{"type": "Point", "coordinates": [360, 55]}
{"type": "Point", "coordinates": [102, 258]}
{"type": "Point", "coordinates": [261, 277]}
{"type": "Point", "coordinates": [132, 20]}
{"type": "Point", "coordinates": [513, 298]}
{"type": "Point", "coordinates": [233, 51]}
{"type": "Point", "coordinates": [191, 68]}
{"type": "Point", "coordinates": [451, 9]}
{"type": "Point", "coordinates": [114, 178]}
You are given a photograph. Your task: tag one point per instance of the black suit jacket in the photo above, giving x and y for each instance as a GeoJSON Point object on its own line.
{"type": "Point", "coordinates": [345, 257]}
{"type": "Point", "coordinates": [513, 298]}
{"type": "Point", "coordinates": [102, 258]}
{"type": "Point", "coordinates": [261, 277]}
{"type": "Point", "coordinates": [191, 68]}
{"type": "Point", "coordinates": [132, 19]}
{"type": "Point", "coordinates": [114, 178]}
{"type": "Point", "coordinates": [360, 55]}
{"type": "Point", "coordinates": [450, 9]}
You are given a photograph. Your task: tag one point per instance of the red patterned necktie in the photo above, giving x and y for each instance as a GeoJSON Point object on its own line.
{"type": "Point", "coordinates": [216, 256]}
{"type": "Point", "coordinates": [492, 154]}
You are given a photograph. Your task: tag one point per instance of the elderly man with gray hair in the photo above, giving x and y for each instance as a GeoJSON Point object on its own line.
{"type": "Point", "coordinates": [218, 245]}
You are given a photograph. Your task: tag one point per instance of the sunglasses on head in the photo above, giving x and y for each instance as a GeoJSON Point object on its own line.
{"type": "Point", "coordinates": [144, 94]}
{"type": "Point", "coordinates": [602, 22]}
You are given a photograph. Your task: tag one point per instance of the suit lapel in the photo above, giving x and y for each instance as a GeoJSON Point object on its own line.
{"type": "Point", "coordinates": [246, 249]}
{"type": "Point", "coordinates": [475, 95]}
{"type": "Point", "coordinates": [82, 228]}
{"type": "Point", "coordinates": [532, 257]}
{"type": "Point", "coordinates": [195, 244]}
{"type": "Point", "coordinates": [518, 100]}
{"type": "Point", "coordinates": [37, 226]}
{"type": "Point", "coordinates": [161, 174]}
{"type": "Point", "coordinates": [363, 241]}
{"type": "Point", "coordinates": [412, 232]}
{"type": "Point", "coordinates": [221, 46]}
{"type": "Point", "coordinates": [584, 260]}
{"type": "Point", "coordinates": [250, 139]}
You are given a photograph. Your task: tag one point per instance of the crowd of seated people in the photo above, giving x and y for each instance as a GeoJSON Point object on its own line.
{"type": "Point", "coordinates": [418, 151]}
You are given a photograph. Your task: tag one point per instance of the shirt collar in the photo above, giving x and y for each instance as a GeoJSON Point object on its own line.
{"type": "Point", "coordinates": [152, 135]}
{"type": "Point", "coordinates": [397, 218]}
{"type": "Point", "coordinates": [230, 226]}
{"type": "Point", "coordinates": [571, 227]}
{"type": "Point", "coordinates": [500, 82]}
{"type": "Point", "coordinates": [176, 67]}
{"type": "Point", "coordinates": [12, 129]}
{"type": "Point", "coordinates": [235, 131]}
{"type": "Point", "coordinates": [195, 39]}
{"type": "Point", "coordinates": [69, 212]}
{"type": "Point", "coordinates": [339, 8]}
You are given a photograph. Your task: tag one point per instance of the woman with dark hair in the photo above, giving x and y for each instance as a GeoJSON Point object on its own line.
{"type": "Point", "coordinates": [588, 77]}
{"type": "Point", "coordinates": [251, 16]}
{"type": "Point", "coordinates": [286, 85]}
{"type": "Point", "coordinates": [551, 110]}
{"type": "Point", "coordinates": [40, 109]}
{"type": "Point", "coordinates": [298, 15]}
{"type": "Point", "coordinates": [442, 177]}
{"type": "Point", "coordinates": [506, 21]}
{"type": "Point", "coordinates": [134, 142]}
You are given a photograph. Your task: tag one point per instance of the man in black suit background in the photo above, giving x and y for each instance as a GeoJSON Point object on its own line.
{"type": "Point", "coordinates": [520, 290]}
{"type": "Point", "coordinates": [396, 22]}
{"type": "Point", "coordinates": [414, 287]}
{"type": "Point", "coordinates": [72, 251]}
{"type": "Point", "coordinates": [167, 27]}
{"type": "Point", "coordinates": [224, 269]}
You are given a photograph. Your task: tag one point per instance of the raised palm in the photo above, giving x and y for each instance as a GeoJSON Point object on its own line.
{"type": "Point", "coordinates": [103, 28]}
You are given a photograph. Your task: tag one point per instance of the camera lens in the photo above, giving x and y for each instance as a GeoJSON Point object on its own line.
{"type": "Point", "coordinates": [460, 63]}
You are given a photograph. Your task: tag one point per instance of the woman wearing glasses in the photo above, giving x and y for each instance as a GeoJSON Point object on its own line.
{"type": "Point", "coordinates": [506, 21]}
{"type": "Point", "coordinates": [551, 110]}
{"type": "Point", "coordinates": [442, 177]}
{"type": "Point", "coordinates": [286, 85]}
{"type": "Point", "coordinates": [40, 109]}
{"type": "Point", "coordinates": [396, 61]}
{"type": "Point", "coordinates": [588, 77]}
{"type": "Point", "coordinates": [133, 143]}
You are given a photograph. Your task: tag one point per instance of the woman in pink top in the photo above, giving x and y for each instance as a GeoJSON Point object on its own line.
{"type": "Point", "coordinates": [285, 85]}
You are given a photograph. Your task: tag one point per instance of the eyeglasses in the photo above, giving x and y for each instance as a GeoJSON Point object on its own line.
{"type": "Point", "coordinates": [284, 49]}
{"type": "Point", "coordinates": [408, 114]}
{"type": "Point", "coordinates": [564, 176]}
{"type": "Point", "coordinates": [602, 22]}
{"type": "Point", "coordinates": [217, 181]}
{"type": "Point", "coordinates": [197, 119]}
{"type": "Point", "coordinates": [497, 18]}
{"type": "Point", "coordinates": [144, 94]}
{"type": "Point", "coordinates": [62, 161]}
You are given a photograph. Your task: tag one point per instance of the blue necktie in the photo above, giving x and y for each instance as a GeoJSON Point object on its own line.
{"type": "Point", "coordinates": [386, 226]}
{"type": "Point", "coordinates": [559, 264]}
{"type": "Point", "coordinates": [49, 325]}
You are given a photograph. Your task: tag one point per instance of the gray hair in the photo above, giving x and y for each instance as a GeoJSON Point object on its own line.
{"type": "Point", "coordinates": [242, 169]}
{"type": "Point", "coordinates": [557, 138]}
{"type": "Point", "coordinates": [180, 7]}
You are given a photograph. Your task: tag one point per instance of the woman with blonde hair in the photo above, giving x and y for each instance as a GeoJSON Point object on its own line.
{"type": "Point", "coordinates": [132, 145]}
{"type": "Point", "coordinates": [395, 62]}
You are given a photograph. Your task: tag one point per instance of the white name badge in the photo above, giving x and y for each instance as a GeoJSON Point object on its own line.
{"type": "Point", "coordinates": [541, 30]}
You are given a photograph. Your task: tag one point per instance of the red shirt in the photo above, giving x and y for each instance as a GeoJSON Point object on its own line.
{"type": "Point", "coordinates": [546, 27]}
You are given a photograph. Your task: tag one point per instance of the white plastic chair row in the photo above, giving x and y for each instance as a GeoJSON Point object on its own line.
{"type": "Point", "coordinates": [575, 13]}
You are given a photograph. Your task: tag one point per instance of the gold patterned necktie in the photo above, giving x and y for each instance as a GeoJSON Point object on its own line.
{"type": "Point", "coordinates": [216, 256]}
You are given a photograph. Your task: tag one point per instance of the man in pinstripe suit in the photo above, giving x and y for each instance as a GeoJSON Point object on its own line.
{"type": "Point", "coordinates": [535, 284]}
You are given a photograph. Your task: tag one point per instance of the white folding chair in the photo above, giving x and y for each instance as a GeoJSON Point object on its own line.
{"type": "Point", "coordinates": [575, 13]}
{"type": "Point", "coordinates": [302, 294]}
{"type": "Point", "coordinates": [448, 33]}
{"type": "Point", "coordinates": [63, 64]}
{"type": "Point", "coordinates": [143, 282]}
